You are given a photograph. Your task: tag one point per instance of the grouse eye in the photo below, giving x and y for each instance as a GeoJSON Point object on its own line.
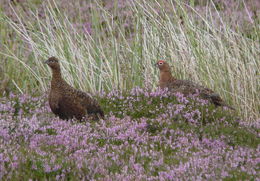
{"type": "Point", "coordinates": [160, 63]}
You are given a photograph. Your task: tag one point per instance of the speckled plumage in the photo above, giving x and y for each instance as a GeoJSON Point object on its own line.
{"type": "Point", "coordinates": [68, 102]}
{"type": "Point", "coordinates": [186, 87]}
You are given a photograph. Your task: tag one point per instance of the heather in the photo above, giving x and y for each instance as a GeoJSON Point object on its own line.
{"type": "Point", "coordinates": [109, 48]}
{"type": "Point", "coordinates": [146, 135]}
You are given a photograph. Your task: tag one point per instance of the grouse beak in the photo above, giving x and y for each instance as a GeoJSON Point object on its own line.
{"type": "Point", "coordinates": [46, 62]}
{"type": "Point", "coordinates": [155, 64]}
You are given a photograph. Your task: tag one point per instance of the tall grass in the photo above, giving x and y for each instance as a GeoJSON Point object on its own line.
{"type": "Point", "coordinates": [120, 54]}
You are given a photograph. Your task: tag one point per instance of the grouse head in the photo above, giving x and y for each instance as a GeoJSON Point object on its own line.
{"type": "Point", "coordinates": [163, 65]}
{"type": "Point", "coordinates": [53, 63]}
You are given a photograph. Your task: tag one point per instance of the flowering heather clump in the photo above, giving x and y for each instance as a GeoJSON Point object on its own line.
{"type": "Point", "coordinates": [144, 136]}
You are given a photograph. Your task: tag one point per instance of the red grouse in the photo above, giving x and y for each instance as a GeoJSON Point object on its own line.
{"type": "Point", "coordinates": [68, 102]}
{"type": "Point", "coordinates": [186, 87]}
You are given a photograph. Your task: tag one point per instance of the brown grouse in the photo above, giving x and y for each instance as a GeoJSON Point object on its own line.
{"type": "Point", "coordinates": [186, 87]}
{"type": "Point", "coordinates": [67, 102]}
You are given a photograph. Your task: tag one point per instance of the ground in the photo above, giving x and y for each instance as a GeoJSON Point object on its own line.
{"type": "Point", "coordinates": [146, 135]}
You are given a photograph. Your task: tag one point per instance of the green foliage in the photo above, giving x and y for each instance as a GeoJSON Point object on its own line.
{"type": "Point", "coordinates": [238, 175]}
{"type": "Point", "coordinates": [235, 135]}
{"type": "Point", "coordinates": [213, 122]}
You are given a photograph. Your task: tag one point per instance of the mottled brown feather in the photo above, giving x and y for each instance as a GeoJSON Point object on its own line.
{"type": "Point", "coordinates": [68, 102]}
{"type": "Point", "coordinates": [186, 87]}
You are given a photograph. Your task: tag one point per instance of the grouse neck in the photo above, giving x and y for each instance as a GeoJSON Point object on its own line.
{"type": "Point", "coordinates": [56, 76]}
{"type": "Point", "coordinates": [166, 76]}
